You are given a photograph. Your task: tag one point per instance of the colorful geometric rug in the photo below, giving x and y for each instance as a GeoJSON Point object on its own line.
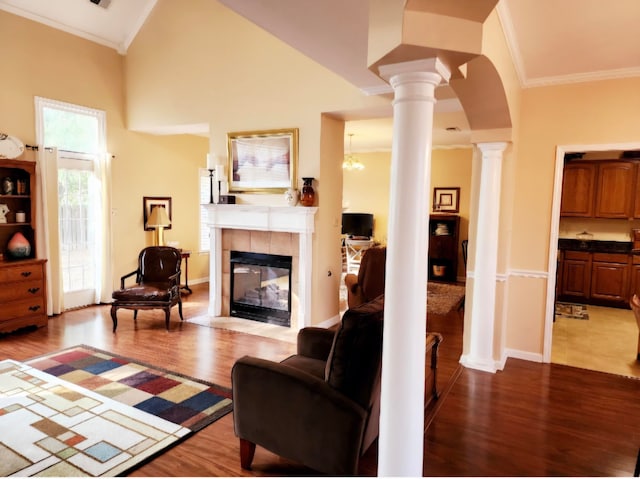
{"type": "Point", "coordinates": [189, 402]}
{"type": "Point", "coordinates": [571, 310]}
{"type": "Point", "coordinates": [83, 411]}
{"type": "Point", "coordinates": [51, 427]}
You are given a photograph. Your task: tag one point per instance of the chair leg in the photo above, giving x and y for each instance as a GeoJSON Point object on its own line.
{"type": "Point", "coordinates": [180, 310]}
{"type": "Point", "coordinates": [135, 314]}
{"type": "Point", "coordinates": [167, 313]}
{"type": "Point", "coordinates": [247, 450]}
{"type": "Point", "coordinates": [114, 318]}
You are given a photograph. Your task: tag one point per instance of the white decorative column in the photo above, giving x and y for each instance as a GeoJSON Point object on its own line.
{"type": "Point", "coordinates": [403, 362]}
{"type": "Point", "coordinates": [483, 301]}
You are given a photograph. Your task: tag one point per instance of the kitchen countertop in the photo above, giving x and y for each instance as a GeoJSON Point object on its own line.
{"type": "Point", "coordinates": [596, 246]}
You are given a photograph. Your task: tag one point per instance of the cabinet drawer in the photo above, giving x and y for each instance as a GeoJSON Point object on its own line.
{"type": "Point", "coordinates": [611, 258]}
{"type": "Point", "coordinates": [21, 273]}
{"type": "Point", "coordinates": [22, 307]}
{"type": "Point", "coordinates": [577, 255]}
{"type": "Point", "coordinates": [21, 290]}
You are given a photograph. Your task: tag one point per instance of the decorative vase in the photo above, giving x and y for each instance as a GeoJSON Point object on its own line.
{"type": "Point", "coordinates": [308, 197]}
{"type": "Point", "coordinates": [291, 196]}
{"type": "Point", "coordinates": [8, 186]}
{"type": "Point", "coordinates": [18, 246]}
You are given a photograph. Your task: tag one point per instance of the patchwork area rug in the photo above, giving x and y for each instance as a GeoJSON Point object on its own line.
{"type": "Point", "coordinates": [571, 310]}
{"type": "Point", "coordinates": [94, 413]}
{"type": "Point", "coordinates": [52, 427]}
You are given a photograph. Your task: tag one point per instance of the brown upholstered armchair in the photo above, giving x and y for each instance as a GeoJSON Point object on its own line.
{"type": "Point", "coordinates": [369, 283]}
{"type": "Point", "coordinates": [157, 284]}
{"type": "Point", "coordinates": [321, 406]}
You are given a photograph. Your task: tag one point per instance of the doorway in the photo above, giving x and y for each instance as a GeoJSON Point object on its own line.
{"type": "Point", "coordinates": [78, 240]}
{"type": "Point", "coordinates": [593, 336]}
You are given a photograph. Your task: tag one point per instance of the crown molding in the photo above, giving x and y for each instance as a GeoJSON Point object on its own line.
{"type": "Point", "coordinates": [59, 26]}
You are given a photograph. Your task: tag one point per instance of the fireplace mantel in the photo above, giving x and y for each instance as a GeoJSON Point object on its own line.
{"type": "Point", "coordinates": [288, 219]}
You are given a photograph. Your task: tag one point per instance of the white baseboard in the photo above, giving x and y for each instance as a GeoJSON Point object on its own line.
{"type": "Point", "coordinates": [526, 355]}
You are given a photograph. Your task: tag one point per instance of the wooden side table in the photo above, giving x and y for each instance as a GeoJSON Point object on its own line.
{"type": "Point", "coordinates": [185, 256]}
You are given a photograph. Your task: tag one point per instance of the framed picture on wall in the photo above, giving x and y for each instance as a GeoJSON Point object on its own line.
{"type": "Point", "coordinates": [446, 200]}
{"type": "Point", "coordinates": [262, 161]}
{"type": "Point", "coordinates": [149, 202]}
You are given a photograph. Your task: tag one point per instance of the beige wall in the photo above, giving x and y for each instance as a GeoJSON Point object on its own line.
{"type": "Point", "coordinates": [198, 61]}
{"type": "Point", "coordinates": [602, 112]}
{"type": "Point", "coordinates": [367, 191]}
{"type": "Point", "coordinates": [53, 64]}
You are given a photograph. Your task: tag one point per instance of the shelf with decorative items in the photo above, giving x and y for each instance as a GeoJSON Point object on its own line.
{"type": "Point", "coordinates": [22, 277]}
{"type": "Point", "coordinates": [443, 247]}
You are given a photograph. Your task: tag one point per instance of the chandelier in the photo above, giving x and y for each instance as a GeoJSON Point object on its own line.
{"type": "Point", "coordinates": [351, 163]}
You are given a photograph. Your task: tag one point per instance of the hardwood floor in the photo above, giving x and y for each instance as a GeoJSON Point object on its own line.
{"type": "Point", "coordinates": [528, 420]}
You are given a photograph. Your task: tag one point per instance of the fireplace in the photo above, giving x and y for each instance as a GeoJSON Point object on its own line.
{"type": "Point", "coordinates": [261, 287]}
{"type": "Point", "coordinates": [278, 230]}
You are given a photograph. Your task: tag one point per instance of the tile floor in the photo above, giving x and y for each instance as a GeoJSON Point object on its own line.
{"type": "Point", "coordinates": [606, 342]}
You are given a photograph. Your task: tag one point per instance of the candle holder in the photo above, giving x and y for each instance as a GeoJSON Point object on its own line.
{"type": "Point", "coordinates": [211, 186]}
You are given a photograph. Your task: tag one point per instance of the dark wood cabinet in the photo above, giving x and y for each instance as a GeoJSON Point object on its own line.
{"type": "Point", "coordinates": [634, 287]}
{"type": "Point", "coordinates": [443, 247]}
{"type": "Point", "coordinates": [23, 298]}
{"type": "Point", "coordinates": [615, 189]}
{"type": "Point", "coordinates": [601, 189]}
{"type": "Point", "coordinates": [576, 275]}
{"type": "Point", "coordinates": [636, 195]}
{"type": "Point", "coordinates": [578, 189]}
{"type": "Point", "coordinates": [610, 277]}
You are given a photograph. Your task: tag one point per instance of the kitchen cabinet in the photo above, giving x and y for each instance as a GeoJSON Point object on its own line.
{"type": "Point", "coordinates": [603, 275]}
{"type": "Point", "coordinates": [635, 276]}
{"type": "Point", "coordinates": [443, 247]}
{"type": "Point", "coordinates": [578, 189]}
{"type": "Point", "coordinates": [610, 277]}
{"type": "Point", "coordinates": [615, 192]}
{"type": "Point", "coordinates": [600, 189]}
{"type": "Point", "coordinates": [576, 275]}
{"type": "Point", "coordinates": [636, 195]}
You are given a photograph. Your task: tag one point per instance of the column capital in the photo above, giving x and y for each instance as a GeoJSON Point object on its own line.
{"type": "Point", "coordinates": [492, 147]}
{"type": "Point", "coordinates": [428, 65]}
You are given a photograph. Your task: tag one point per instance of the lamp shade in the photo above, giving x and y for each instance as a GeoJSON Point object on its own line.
{"type": "Point", "coordinates": [158, 217]}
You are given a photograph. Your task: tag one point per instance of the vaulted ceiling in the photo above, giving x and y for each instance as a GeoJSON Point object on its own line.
{"type": "Point", "coordinates": [551, 41]}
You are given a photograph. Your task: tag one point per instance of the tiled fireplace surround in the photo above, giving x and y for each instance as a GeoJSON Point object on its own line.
{"type": "Point", "coordinates": [280, 230]}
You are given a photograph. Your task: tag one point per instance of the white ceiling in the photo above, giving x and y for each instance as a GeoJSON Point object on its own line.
{"type": "Point", "coordinates": [551, 41]}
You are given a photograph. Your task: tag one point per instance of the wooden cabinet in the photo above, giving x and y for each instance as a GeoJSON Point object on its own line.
{"type": "Point", "coordinates": [578, 189]}
{"type": "Point", "coordinates": [636, 195]}
{"type": "Point", "coordinates": [22, 281]}
{"type": "Point", "coordinates": [610, 277]}
{"type": "Point", "coordinates": [635, 276]}
{"type": "Point", "coordinates": [22, 294]}
{"type": "Point", "coordinates": [598, 278]}
{"type": "Point", "coordinates": [600, 189]}
{"type": "Point", "coordinates": [23, 200]}
{"type": "Point", "coordinates": [443, 247]}
{"type": "Point", "coordinates": [615, 189]}
{"type": "Point", "coordinates": [576, 275]}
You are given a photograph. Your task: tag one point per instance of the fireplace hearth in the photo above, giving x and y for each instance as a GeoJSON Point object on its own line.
{"type": "Point", "coordinates": [261, 287]}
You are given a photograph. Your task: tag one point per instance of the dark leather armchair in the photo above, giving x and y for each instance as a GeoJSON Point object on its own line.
{"type": "Point", "coordinates": [369, 283]}
{"type": "Point", "coordinates": [321, 406]}
{"type": "Point", "coordinates": [157, 284]}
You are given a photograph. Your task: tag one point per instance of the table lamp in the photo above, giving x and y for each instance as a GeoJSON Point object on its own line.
{"type": "Point", "coordinates": [159, 220]}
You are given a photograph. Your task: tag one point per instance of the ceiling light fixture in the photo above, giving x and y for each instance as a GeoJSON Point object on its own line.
{"type": "Point", "coordinates": [351, 163]}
